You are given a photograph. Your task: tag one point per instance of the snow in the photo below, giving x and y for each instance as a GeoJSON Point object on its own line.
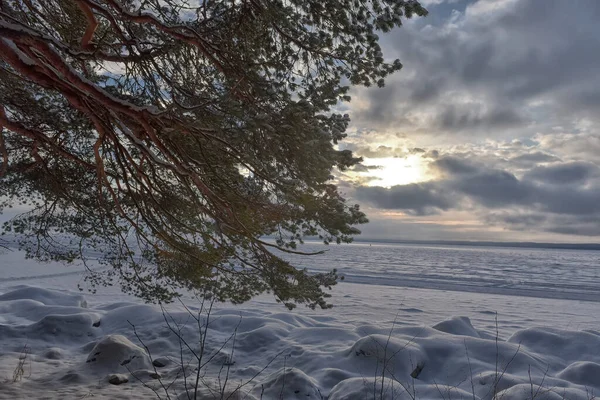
{"type": "Point", "coordinates": [379, 341]}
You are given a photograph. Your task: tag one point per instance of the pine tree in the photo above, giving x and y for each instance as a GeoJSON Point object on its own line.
{"type": "Point", "coordinates": [172, 136]}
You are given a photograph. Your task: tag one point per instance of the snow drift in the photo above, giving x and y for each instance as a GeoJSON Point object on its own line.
{"type": "Point", "coordinates": [70, 348]}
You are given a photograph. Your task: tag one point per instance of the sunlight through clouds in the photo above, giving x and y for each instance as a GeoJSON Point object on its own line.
{"type": "Point", "coordinates": [396, 170]}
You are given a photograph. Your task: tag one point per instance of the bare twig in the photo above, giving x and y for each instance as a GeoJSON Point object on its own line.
{"type": "Point", "coordinates": [19, 371]}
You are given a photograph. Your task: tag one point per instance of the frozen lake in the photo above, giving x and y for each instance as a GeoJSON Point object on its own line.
{"type": "Point", "coordinates": [534, 272]}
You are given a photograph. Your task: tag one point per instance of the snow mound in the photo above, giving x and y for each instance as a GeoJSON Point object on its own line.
{"type": "Point", "coordinates": [527, 391]}
{"type": "Point", "coordinates": [45, 296]}
{"type": "Point", "coordinates": [74, 350]}
{"type": "Point", "coordinates": [399, 356]}
{"type": "Point", "coordinates": [369, 388]}
{"type": "Point", "coordinates": [53, 330]}
{"type": "Point", "coordinates": [206, 393]}
{"type": "Point", "coordinates": [293, 384]}
{"type": "Point", "coordinates": [260, 338]}
{"type": "Point", "coordinates": [457, 326]}
{"type": "Point", "coordinates": [65, 327]}
{"type": "Point", "coordinates": [121, 318]}
{"type": "Point", "coordinates": [32, 310]}
{"type": "Point", "coordinates": [565, 346]}
{"type": "Point", "coordinates": [583, 373]}
{"type": "Point", "coordinates": [116, 353]}
{"type": "Point", "coordinates": [54, 353]}
{"type": "Point", "coordinates": [362, 388]}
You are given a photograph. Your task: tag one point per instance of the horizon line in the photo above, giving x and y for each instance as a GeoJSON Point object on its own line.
{"type": "Point", "coordinates": [521, 244]}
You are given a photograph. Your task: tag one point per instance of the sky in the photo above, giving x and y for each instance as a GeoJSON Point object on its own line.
{"type": "Point", "coordinates": [490, 130]}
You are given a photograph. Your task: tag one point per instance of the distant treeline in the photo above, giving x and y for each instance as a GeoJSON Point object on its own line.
{"type": "Point", "coordinates": [535, 245]}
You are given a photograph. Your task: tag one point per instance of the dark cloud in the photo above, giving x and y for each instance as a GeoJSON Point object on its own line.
{"type": "Point", "coordinates": [417, 198]}
{"type": "Point", "coordinates": [561, 224]}
{"type": "Point", "coordinates": [587, 98]}
{"type": "Point", "coordinates": [450, 165]}
{"type": "Point", "coordinates": [533, 158]}
{"type": "Point", "coordinates": [580, 228]}
{"type": "Point", "coordinates": [432, 154]}
{"type": "Point", "coordinates": [381, 107]}
{"type": "Point", "coordinates": [496, 188]}
{"type": "Point", "coordinates": [365, 168]}
{"type": "Point", "coordinates": [470, 116]}
{"type": "Point", "coordinates": [571, 201]}
{"type": "Point", "coordinates": [517, 220]}
{"type": "Point", "coordinates": [427, 90]}
{"type": "Point", "coordinates": [576, 172]}
{"type": "Point", "coordinates": [466, 184]}
{"type": "Point", "coordinates": [533, 47]}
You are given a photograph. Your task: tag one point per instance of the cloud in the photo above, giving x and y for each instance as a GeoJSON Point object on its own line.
{"type": "Point", "coordinates": [571, 201]}
{"type": "Point", "coordinates": [433, 154]}
{"type": "Point", "coordinates": [417, 198]}
{"type": "Point", "coordinates": [552, 198]}
{"type": "Point", "coordinates": [500, 98]}
{"type": "Point", "coordinates": [575, 172]}
{"type": "Point", "coordinates": [531, 159]}
{"type": "Point", "coordinates": [496, 188]}
{"type": "Point", "coordinates": [543, 189]}
{"type": "Point", "coordinates": [581, 228]}
{"type": "Point", "coordinates": [517, 220]}
{"type": "Point", "coordinates": [451, 165]}
{"type": "Point", "coordinates": [470, 116]}
{"type": "Point", "coordinates": [561, 224]}
{"type": "Point", "coordinates": [502, 68]}
{"type": "Point", "coordinates": [365, 168]}
{"type": "Point", "coordinates": [378, 152]}
{"type": "Point", "coordinates": [427, 90]}
{"type": "Point", "coordinates": [579, 146]}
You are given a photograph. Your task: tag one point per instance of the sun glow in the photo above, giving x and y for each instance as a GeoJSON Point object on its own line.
{"type": "Point", "coordinates": [395, 171]}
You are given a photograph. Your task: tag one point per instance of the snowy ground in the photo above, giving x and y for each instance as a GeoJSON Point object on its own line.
{"type": "Point", "coordinates": [546, 344]}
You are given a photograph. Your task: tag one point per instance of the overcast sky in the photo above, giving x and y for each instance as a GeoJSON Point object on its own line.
{"type": "Point", "coordinates": [490, 131]}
